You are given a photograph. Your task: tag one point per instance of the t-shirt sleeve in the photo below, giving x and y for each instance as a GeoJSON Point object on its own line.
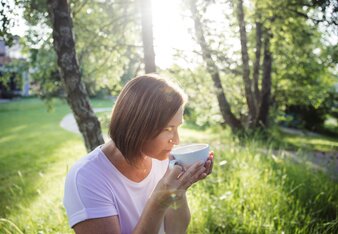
{"type": "Point", "coordinates": [87, 196]}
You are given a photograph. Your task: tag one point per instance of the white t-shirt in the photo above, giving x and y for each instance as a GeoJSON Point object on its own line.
{"type": "Point", "coordinates": [94, 188]}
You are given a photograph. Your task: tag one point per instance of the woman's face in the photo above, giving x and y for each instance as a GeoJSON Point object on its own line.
{"type": "Point", "coordinates": [160, 147]}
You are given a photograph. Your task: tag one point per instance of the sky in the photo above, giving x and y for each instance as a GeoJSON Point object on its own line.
{"type": "Point", "coordinates": [170, 32]}
{"type": "Point", "coordinates": [174, 30]}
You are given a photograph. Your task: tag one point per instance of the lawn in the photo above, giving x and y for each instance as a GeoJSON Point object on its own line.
{"type": "Point", "coordinates": [253, 188]}
{"type": "Point", "coordinates": [35, 156]}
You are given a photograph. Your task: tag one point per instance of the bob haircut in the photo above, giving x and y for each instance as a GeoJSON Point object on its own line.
{"type": "Point", "coordinates": [143, 109]}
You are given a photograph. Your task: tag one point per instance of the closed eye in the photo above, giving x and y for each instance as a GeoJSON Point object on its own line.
{"type": "Point", "coordinates": [169, 129]}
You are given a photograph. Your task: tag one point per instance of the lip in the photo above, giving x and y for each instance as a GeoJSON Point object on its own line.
{"type": "Point", "coordinates": [168, 151]}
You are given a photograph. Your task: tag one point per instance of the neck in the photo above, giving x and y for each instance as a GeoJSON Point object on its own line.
{"type": "Point", "coordinates": [135, 171]}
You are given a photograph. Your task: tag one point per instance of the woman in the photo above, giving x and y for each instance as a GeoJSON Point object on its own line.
{"type": "Point", "coordinates": [125, 186]}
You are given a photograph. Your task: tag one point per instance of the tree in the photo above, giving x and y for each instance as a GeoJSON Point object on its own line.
{"type": "Point", "coordinates": [108, 44]}
{"type": "Point", "coordinates": [77, 96]}
{"type": "Point", "coordinates": [225, 107]}
{"type": "Point", "coordinates": [147, 35]}
{"type": "Point", "coordinates": [271, 24]}
{"type": "Point", "coordinates": [228, 116]}
{"type": "Point", "coordinates": [245, 61]}
{"type": "Point", "coordinates": [258, 98]}
{"type": "Point", "coordinates": [107, 54]}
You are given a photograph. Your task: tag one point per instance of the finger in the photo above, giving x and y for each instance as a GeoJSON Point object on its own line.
{"type": "Point", "coordinates": [174, 173]}
{"type": "Point", "coordinates": [207, 166]}
{"type": "Point", "coordinates": [194, 168]}
{"type": "Point", "coordinates": [202, 176]}
{"type": "Point", "coordinates": [211, 166]}
{"type": "Point", "coordinates": [211, 155]}
{"type": "Point", "coordinates": [198, 176]}
{"type": "Point", "coordinates": [192, 175]}
{"type": "Point", "coordinates": [191, 170]}
{"type": "Point", "coordinates": [211, 159]}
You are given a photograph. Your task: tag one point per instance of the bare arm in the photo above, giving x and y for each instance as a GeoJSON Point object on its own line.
{"type": "Point", "coordinates": [107, 225]}
{"type": "Point", "coordinates": [177, 217]}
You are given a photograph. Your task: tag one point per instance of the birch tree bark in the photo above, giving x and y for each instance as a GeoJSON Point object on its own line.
{"type": "Point", "coordinates": [77, 97]}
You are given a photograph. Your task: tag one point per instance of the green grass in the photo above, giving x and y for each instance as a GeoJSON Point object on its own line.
{"type": "Point", "coordinates": [35, 156]}
{"type": "Point", "coordinates": [255, 192]}
{"type": "Point", "coordinates": [253, 188]}
{"type": "Point", "coordinates": [310, 143]}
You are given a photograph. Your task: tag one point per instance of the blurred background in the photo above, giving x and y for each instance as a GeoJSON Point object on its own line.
{"type": "Point", "coordinates": [262, 82]}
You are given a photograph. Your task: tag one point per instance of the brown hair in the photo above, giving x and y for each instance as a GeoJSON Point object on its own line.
{"type": "Point", "coordinates": [144, 107]}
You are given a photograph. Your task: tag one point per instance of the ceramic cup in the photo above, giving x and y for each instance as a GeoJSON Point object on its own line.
{"type": "Point", "coordinates": [189, 154]}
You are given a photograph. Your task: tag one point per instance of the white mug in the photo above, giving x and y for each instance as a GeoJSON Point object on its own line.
{"type": "Point", "coordinates": [189, 154]}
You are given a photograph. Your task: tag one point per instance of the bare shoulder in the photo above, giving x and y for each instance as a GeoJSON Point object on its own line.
{"type": "Point", "coordinates": [106, 225]}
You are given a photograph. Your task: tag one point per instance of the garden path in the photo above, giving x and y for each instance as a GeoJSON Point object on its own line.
{"type": "Point", "coordinates": [68, 122]}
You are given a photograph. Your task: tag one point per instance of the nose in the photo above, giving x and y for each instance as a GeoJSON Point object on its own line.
{"type": "Point", "coordinates": [176, 138]}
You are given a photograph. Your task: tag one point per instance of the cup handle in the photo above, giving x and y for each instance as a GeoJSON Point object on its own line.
{"type": "Point", "coordinates": [172, 163]}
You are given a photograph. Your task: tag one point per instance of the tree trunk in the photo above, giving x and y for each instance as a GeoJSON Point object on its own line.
{"type": "Point", "coordinates": [266, 84]}
{"type": "Point", "coordinates": [77, 97]}
{"type": "Point", "coordinates": [228, 117]}
{"type": "Point", "coordinates": [147, 35]}
{"type": "Point", "coordinates": [257, 61]}
{"type": "Point", "coordinates": [245, 60]}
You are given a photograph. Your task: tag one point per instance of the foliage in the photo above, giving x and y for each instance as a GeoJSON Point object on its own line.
{"type": "Point", "coordinates": [313, 117]}
{"type": "Point", "coordinates": [46, 81]}
{"type": "Point", "coordinates": [106, 52]}
{"type": "Point", "coordinates": [7, 12]}
{"type": "Point", "coordinates": [303, 69]}
{"type": "Point", "coordinates": [302, 72]}
{"type": "Point", "coordinates": [202, 108]}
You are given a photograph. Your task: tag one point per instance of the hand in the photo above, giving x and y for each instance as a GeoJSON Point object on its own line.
{"type": "Point", "coordinates": [208, 166]}
{"type": "Point", "coordinates": [176, 181]}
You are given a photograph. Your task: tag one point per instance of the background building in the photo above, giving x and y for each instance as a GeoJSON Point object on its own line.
{"type": "Point", "coordinates": [14, 80]}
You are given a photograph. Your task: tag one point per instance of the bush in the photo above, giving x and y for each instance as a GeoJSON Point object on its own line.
{"type": "Point", "coordinates": [311, 117]}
